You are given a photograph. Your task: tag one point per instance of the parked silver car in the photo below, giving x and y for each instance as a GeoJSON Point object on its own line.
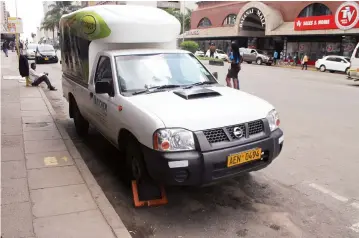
{"type": "Point", "coordinates": [254, 55]}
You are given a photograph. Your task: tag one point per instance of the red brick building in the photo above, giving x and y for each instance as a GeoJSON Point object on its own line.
{"type": "Point", "coordinates": [315, 28]}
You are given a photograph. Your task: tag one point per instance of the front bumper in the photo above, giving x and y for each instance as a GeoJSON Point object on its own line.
{"type": "Point", "coordinates": [50, 59]}
{"type": "Point", "coordinates": [208, 167]}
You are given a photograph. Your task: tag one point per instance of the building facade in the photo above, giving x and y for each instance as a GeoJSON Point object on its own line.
{"type": "Point", "coordinates": [294, 28]}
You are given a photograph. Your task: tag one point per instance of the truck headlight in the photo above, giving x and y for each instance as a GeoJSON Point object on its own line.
{"type": "Point", "coordinates": [273, 120]}
{"type": "Point", "coordinates": [173, 140]}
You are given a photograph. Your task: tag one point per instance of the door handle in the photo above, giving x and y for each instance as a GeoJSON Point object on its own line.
{"type": "Point", "coordinates": [91, 94]}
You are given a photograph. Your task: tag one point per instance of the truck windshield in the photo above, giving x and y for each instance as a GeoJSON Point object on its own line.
{"type": "Point", "coordinates": [136, 72]}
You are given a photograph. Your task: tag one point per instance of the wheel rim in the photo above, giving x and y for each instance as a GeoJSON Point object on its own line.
{"type": "Point", "coordinates": [259, 61]}
{"type": "Point", "coordinates": [322, 68]}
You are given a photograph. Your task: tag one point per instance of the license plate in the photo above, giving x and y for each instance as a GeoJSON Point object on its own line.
{"type": "Point", "coordinates": [244, 157]}
{"type": "Point", "coordinates": [46, 58]}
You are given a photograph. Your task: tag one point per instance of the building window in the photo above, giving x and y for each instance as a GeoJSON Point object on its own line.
{"type": "Point", "coordinates": [315, 9]}
{"type": "Point", "coordinates": [204, 22]}
{"type": "Point", "coordinates": [230, 20]}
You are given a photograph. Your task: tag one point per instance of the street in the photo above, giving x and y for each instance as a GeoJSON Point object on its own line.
{"type": "Point", "coordinates": [310, 190]}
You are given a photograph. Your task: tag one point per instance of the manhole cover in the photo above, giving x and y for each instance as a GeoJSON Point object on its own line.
{"type": "Point", "coordinates": [9, 77]}
{"type": "Point", "coordinates": [37, 124]}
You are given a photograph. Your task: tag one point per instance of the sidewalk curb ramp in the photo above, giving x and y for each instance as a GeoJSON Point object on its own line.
{"type": "Point", "coordinates": [107, 210]}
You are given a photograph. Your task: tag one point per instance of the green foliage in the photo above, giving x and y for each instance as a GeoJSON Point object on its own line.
{"type": "Point", "coordinates": [186, 18]}
{"type": "Point", "coordinates": [191, 46]}
{"type": "Point", "coordinates": [53, 16]}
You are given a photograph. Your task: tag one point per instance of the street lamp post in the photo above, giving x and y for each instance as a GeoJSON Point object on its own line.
{"type": "Point", "coordinates": [183, 15]}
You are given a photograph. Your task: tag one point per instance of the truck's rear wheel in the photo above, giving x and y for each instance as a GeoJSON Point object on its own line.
{"type": "Point", "coordinates": [134, 159]}
{"type": "Point", "coordinates": [81, 124]}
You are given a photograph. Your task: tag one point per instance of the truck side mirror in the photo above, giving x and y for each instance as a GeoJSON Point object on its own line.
{"type": "Point", "coordinates": [104, 87]}
{"type": "Point", "coordinates": [215, 74]}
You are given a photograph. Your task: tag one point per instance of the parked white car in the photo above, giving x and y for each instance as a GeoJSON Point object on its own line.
{"type": "Point", "coordinates": [333, 63]}
{"type": "Point", "coordinates": [199, 53]}
{"type": "Point", "coordinates": [30, 51]}
{"type": "Point", "coordinates": [219, 54]}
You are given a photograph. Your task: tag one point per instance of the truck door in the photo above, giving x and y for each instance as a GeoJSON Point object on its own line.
{"type": "Point", "coordinates": [99, 103]}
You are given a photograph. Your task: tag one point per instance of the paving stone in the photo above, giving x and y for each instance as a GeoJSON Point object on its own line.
{"type": "Point", "coordinates": [41, 135]}
{"type": "Point", "coordinates": [25, 113]}
{"type": "Point", "coordinates": [14, 191]}
{"type": "Point", "coordinates": [39, 126]}
{"type": "Point", "coordinates": [11, 127]}
{"type": "Point", "coordinates": [10, 114]}
{"type": "Point", "coordinates": [33, 104]}
{"type": "Point", "coordinates": [35, 119]}
{"type": "Point", "coordinates": [12, 153]}
{"type": "Point", "coordinates": [53, 177]}
{"type": "Point", "coordinates": [13, 169]}
{"type": "Point", "coordinates": [16, 220]}
{"type": "Point", "coordinates": [48, 160]}
{"type": "Point", "coordinates": [61, 200]}
{"type": "Point", "coordinates": [44, 146]}
{"type": "Point", "coordinates": [88, 224]}
{"type": "Point", "coordinates": [12, 141]}
{"type": "Point", "coordinates": [30, 92]}
{"type": "Point", "coordinates": [10, 106]}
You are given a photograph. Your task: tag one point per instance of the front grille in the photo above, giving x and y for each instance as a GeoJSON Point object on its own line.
{"type": "Point", "coordinates": [255, 127]}
{"type": "Point", "coordinates": [219, 134]}
{"type": "Point", "coordinates": [215, 136]}
{"type": "Point", "coordinates": [231, 128]}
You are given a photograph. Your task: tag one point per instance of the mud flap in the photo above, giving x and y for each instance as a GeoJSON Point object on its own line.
{"type": "Point", "coordinates": [147, 193]}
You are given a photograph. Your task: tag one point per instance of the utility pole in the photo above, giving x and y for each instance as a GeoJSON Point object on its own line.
{"type": "Point", "coordinates": [183, 15]}
{"type": "Point", "coordinates": [16, 34]}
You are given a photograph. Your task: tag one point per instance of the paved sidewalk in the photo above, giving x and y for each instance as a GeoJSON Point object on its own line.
{"type": "Point", "coordinates": [47, 189]}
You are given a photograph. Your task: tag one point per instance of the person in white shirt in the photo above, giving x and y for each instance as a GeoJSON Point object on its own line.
{"type": "Point", "coordinates": [37, 78]}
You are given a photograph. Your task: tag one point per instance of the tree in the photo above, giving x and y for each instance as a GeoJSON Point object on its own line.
{"type": "Point", "coordinates": [60, 8]}
{"type": "Point", "coordinates": [50, 23]}
{"type": "Point", "coordinates": [191, 46]}
{"type": "Point", "coordinates": [177, 14]}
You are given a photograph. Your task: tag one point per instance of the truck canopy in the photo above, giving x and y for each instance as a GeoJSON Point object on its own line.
{"type": "Point", "coordinates": [85, 32]}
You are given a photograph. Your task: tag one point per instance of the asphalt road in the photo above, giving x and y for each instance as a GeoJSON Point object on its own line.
{"type": "Point", "coordinates": [310, 190]}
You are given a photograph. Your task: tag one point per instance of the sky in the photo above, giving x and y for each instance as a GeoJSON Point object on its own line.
{"type": "Point", "coordinates": [31, 13]}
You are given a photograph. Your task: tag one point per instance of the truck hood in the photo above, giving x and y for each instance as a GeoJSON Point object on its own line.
{"type": "Point", "coordinates": [203, 108]}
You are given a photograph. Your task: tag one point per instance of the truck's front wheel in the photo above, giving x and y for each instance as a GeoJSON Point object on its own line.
{"type": "Point", "coordinates": [134, 160]}
{"type": "Point", "coordinates": [81, 124]}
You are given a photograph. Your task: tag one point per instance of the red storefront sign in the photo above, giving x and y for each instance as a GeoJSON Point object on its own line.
{"type": "Point", "coordinates": [346, 17]}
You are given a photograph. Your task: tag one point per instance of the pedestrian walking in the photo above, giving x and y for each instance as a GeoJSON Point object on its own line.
{"type": "Point", "coordinates": [305, 62]}
{"type": "Point", "coordinates": [5, 47]}
{"type": "Point", "coordinates": [212, 49]}
{"type": "Point", "coordinates": [235, 59]}
{"type": "Point", "coordinates": [275, 57]}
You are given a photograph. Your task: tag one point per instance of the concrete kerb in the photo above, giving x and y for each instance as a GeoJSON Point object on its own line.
{"type": "Point", "coordinates": [102, 202]}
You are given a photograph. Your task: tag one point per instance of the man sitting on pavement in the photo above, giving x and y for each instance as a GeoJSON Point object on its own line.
{"type": "Point", "coordinates": [38, 78]}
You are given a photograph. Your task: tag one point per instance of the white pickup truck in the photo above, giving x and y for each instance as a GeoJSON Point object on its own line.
{"type": "Point", "coordinates": [123, 74]}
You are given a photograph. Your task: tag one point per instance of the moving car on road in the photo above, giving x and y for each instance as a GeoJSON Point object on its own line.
{"type": "Point", "coordinates": [258, 56]}
{"type": "Point", "coordinates": [45, 54]}
{"type": "Point", "coordinates": [30, 51]}
{"type": "Point", "coordinates": [354, 67]}
{"type": "Point", "coordinates": [159, 105]}
{"type": "Point", "coordinates": [333, 63]}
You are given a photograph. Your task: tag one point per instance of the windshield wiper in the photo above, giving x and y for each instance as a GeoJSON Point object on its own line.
{"type": "Point", "coordinates": [200, 83]}
{"type": "Point", "coordinates": [156, 88]}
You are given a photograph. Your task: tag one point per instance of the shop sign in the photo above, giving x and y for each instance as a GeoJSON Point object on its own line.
{"type": "Point", "coordinates": [345, 18]}
{"type": "Point", "coordinates": [192, 33]}
{"type": "Point", "coordinates": [14, 25]}
{"type": "Point", "coordinates": [251, 11]}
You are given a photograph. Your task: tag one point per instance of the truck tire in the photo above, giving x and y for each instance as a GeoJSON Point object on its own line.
{"type": "Point", "coordinates": [81, 124]}
{"type": "Point", "coordinates": [135, 164]}
{"type": "Point", "coordinates": [259, 61]}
